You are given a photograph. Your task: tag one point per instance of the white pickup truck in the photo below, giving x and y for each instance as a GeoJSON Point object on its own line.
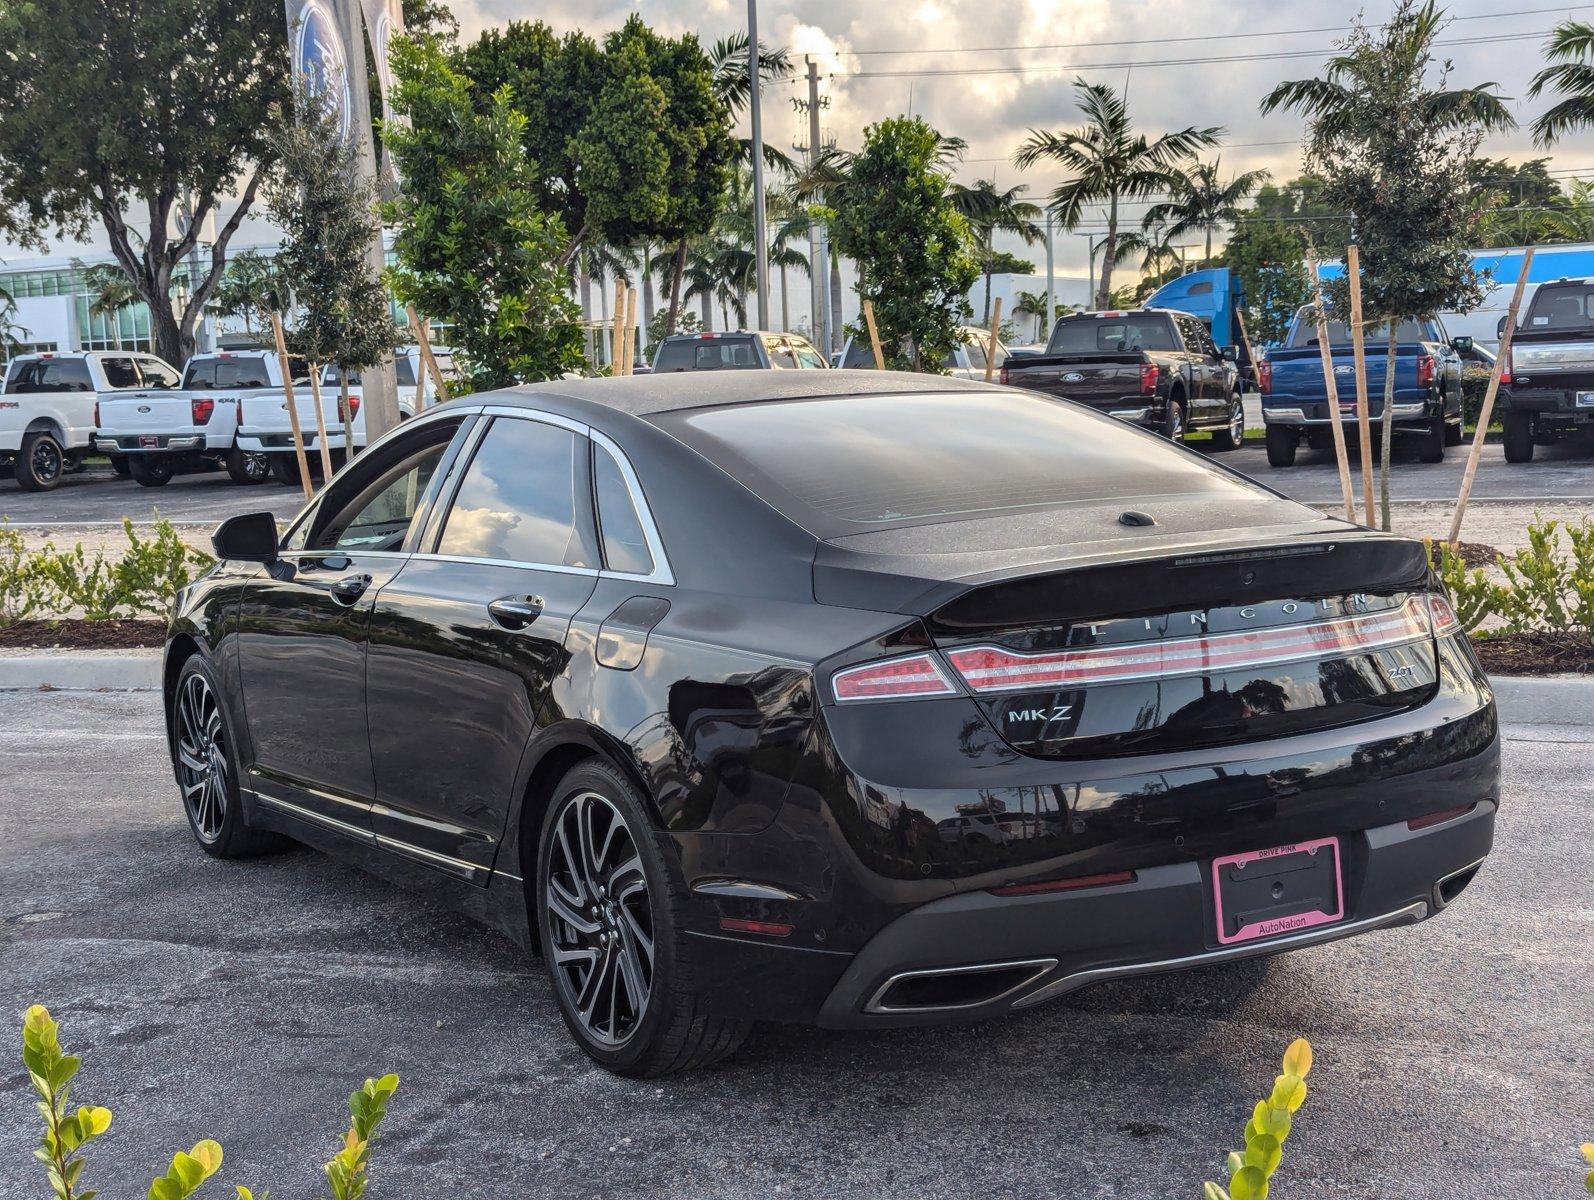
{"type": "Point", "coordinates": [47, 411]}
{"type": "Point", "coordinates": [267, 429]}
{"type": "Point", "coordinates": [161, 431]}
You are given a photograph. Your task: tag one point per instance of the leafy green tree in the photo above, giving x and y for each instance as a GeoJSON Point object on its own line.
{"type": "Point", "coordinates": [897, 220]}
{"type": "Point", "coordinates": [430, 18]}
{"type": "Point", "coordinates": [474, 249]}
{"type": "Point", "coordinates": [1523, 200]}
{"type": "Point", "coordinates": [1005, 263]}
{"type": "Point", "coordinates": [989, 211]}
{"type": "Point", "coordinates": [326, 211]}
{"type": "Point", "coordinates": [1270, 259]}
{"type": "Point", "coordinates": [1109, 163]}
{"type": "Point", "coordinates": [250, 288]}
{"type": "Point", "coordinates": [1570, 75]}
{"type": "Point", "coordinates": [1299, 203]}
{"type": "Point", "coordinates": [1200, 202]}
{"type": "Point", "coordinates": [1396, 145]}
{"type": "Point", "coordinates": [116, 111]}
{"type": "Point", "coordinates": [110, 290]}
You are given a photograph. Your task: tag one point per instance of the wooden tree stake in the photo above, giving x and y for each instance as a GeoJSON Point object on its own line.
{"type": "Point", "coordinates": [628, 347]}
{"type": "Point", "coordinates": [423, 339]}
{"type": "Point", "coordinates": [1337, 430]}
{"type": "Point", "coordinates": [614, 333]}
{"type": "Point", "coordinates": [1358, 343]}
{"type": "Point", "coordinates": [990, 348]}
{"type": "Point", "coordinates": [321, 427]}
{"type": "Point", "coordinates": [293, 408]}
{"type": "Point", "coordinates": [874, 335]}
{"type": "Point", "coordinates": [1487, 411]}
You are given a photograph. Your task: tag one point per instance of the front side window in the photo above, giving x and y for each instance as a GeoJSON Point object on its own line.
{"type": "Point", "coordinates": [807, 357]}
{"type": "Point", "coordinates": [157, 374]}
{"type": "Point", "coordinates": [524, 498]}
{"type": "Point", "coordinates": [625, 545]}
{"type": "Point", "coordinates": [379, 517]}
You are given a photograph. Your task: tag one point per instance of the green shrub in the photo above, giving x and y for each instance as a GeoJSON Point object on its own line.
{"type": "Point", "coordinates": [1472, 594]}
{"type": "Point", "coordinates": [21, 590]}
{"type": "Point", "coordinates": [1271, 1119]}
{"type": "Point", "coordinates": [66, 1133]}
{"type": "Point", "coordinates": [1588, 1156]}
{"type": "Point", "coordinates": [1546, 589]}
{"type": "Point", "coordinates": [143, 582]}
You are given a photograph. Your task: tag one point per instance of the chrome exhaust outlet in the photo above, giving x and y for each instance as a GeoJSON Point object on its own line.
{"type": "Point", "coordinates": [950, 989]}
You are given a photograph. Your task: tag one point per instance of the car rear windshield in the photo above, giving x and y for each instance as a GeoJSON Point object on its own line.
{"type": "Point", "coordinates": [1562, 308]}
{"type": "Point", "coordinates": [1305, 333]}
{"type": "Point", "coordinates": [708, 354]}
{"type": "Point", "coordinates": [841, 464]}
{"type": "Point", "coordinates": [1112, 335]}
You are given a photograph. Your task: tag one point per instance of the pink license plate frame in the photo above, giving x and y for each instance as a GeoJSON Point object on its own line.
{"type": "Point", "coordinates": [1280, 925]}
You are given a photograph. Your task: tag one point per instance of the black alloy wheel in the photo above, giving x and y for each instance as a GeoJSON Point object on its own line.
{"type": "Point", "coordinates": [204, 767]}
{"type": "Point", "coordinates": [40, 463]}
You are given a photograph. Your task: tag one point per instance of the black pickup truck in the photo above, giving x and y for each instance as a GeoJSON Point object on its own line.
{"type": "Point", "coordinates": [1547, 384]}
{"type": "Point", "coordinates": [1154, 367]}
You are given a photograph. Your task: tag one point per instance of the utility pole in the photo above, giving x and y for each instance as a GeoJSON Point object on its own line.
{"type": "Point", "coordinates": [760, 231]}
{"type": "Point", "coordinates": [1051, 280]}
{"type": "Point", "coordinates": [818, 250]}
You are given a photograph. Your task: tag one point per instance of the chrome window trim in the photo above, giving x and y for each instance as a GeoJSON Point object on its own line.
{"type": "Point", "coordinates": [661, 574]}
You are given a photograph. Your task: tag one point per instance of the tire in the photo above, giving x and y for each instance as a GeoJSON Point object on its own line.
{"type": "Point", "coordinates": [1431, 446]}
{"type": "Point", "coordinates": [667, 1031]}
{"type": "Point", "coordinates": [205, 760]}
{"type": "Point", "coordinates": [120, 465]}
{"type": "Point", "coordinates": [1178, 422]}
{"type": "Point", "coordinates": [243, 467]}
{"type": "Point", "coordinates": [1455, 433]}
{"type": "Point", "coordinates": [1281, 446]}
{"type": "Point", "coordinates": [284, 469]}
{"type": "Point", "coordinates": [40, 462]}
{"type": "Point", "coordinates": [151, 470]}
{"type": "Point", "coordinates": [1232, 435]}
{"type": "Point", "coordinates": [1518, 437]}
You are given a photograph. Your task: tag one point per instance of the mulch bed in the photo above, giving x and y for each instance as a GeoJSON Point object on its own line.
{"type": "Point", "coordinates": [1477, 554]}
{"type": "Point", "coordinates": [121, 634]}
{"type": "Point", "coordinates": [1536, 654]}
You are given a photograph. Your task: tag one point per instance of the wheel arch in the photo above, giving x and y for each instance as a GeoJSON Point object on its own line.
{"type": "Point", "coordinates": [182, 647]}
{"type": "Point", "coordinates": [48, 423]}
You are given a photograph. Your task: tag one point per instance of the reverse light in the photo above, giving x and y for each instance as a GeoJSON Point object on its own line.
{"type": "Point", "coordinates": [1148, 377]}
{"type": "Point", "coordinates": [915, 677]}
{"type": "Point", "coordinates": [1425, 370]}
{"type": "Point", "coordinates": [989, 669]}
{"type": "Point", "coordinates": [202, 407]}
{"type": "Point", "coordinates": [1108, 879]}
{"type": "Point", "coordinates": [1264, 377]}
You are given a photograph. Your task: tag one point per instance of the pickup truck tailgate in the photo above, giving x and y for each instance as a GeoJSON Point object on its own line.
{"type": "Point", "coordinates": [1095, 378]}
{"type": "Point", "coordinates": [136, 413]}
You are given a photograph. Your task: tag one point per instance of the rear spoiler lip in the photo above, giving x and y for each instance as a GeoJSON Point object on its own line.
{"type": "Point", "coordinates": [917, 595]}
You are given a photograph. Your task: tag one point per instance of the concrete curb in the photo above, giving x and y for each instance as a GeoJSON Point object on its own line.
{"type": "Point", "coordinates": [1523, 699]}
{"type": "Point", "coordinates": [82, 671]}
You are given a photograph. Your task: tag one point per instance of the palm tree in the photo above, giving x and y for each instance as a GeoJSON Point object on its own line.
{"type": "Point", "coordinates": [1198, 199]}
{"type": "Point", "coordinates": [1110, 163]}
{"type": "Point", "coordinates": [1328, 99]}
{"type": "Point", "coordinates": [728, 60]}
{"type": "Point", "coordinates": [1574, 223]}
{"type": "Point", "coordinates": [110, 290]}
{"type": "Point", "coordinates": [1572, 76]}
{"type": "Point", "coordinates": [988, 211]}
{"type": "Point", "coordinates": [249, 288]}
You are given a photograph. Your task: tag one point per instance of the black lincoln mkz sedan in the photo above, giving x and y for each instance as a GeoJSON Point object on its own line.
{"type": "Point", "coordinates": [848, 698]}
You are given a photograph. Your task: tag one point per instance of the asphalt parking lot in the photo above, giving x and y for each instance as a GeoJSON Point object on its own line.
{"type": "Point", "coordinates": [243, 1000]}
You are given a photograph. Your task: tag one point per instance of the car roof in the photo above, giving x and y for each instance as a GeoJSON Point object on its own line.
{"type": "Point", "coordinates": [644, 395]}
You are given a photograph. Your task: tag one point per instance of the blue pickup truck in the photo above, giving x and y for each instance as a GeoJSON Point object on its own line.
{"type": "Point", "coordinates": [1427, 387]}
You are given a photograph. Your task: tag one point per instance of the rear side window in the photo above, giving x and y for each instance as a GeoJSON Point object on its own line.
{"type": "Point", "coordinates": [120, 373]}
{"type": "Point", "coordinates": [846, 464]}
{"type": "Point", "coordinates": [1111, 335]}
{"type": "Point", "coordinates": [708, 354]}
{"type": "Point", "coordinates": [524, 498]}
{"type": "Point", "coordinates": [625, 546]}
{"type": "Point", "coordinates": [50, 375]}
{"type": "Point", "coordinates": [1562, 308]}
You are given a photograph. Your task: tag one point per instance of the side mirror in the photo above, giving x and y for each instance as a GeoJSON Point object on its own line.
{"type": "Point", "coordinates": [251, 537]}
{"type": "Point", "coordinates": [1461, 345]}
{"type": "Point", "coordinates": [1230, 354]}
{"type": "Point", "coordinates": [1499, 330]}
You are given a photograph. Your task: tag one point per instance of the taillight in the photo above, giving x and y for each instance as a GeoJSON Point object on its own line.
{"type": "Point", "coordinates": [1443, 617]}
{"type": "Point", "coordinates": [202, 407]}
{"type": "Point", "coordinates": [354, 407]}
{"type": "Point", "coordinates": [917, 676]}
{"type": "Point", "coordinates": [766, 928]}
{"type": "Point", "coordinates": [1005, 377]}
{"type": "Point", "coordinates": [996, 669]}
{"type": "Point", "coordinates": [1148, 377]}
{"type": "Point", "coordinates": [1505, 368]}
{"type": "Point", "coordinates": [1425, 370]}
{"type": "Point", "coordinates": [1264, 377]}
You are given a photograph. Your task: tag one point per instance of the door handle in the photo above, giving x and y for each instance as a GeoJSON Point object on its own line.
{"type": "Point", "coordinates": [350, 588]}
{"type": "Point", "coordinates": [516, 612]}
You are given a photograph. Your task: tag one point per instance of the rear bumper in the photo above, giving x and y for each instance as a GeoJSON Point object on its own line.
{"type": "Point", "coordinates": [1045, 946]}
{"type": "Point", "coordinates": [258, 442]}
{"type": "Point", "coordinates": [1548, 406]}
{"type": "Point", "coordinates": [150, 443]}
{"type": "Point", "coordinates": [1291, 410]}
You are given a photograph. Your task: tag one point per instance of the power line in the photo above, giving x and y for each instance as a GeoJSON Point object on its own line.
{"type": "Point", "coordinates": [1201, 60]}
{"type": "Point", "coordinates": [1200, 37]}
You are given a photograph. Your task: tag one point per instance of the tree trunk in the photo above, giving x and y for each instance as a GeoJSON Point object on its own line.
{"type": "Point", "coordinates": [987, 319]}
{"type": "Point", "coordinates": [1387, 424]}
{"type": "Point", "coordinates": [708, 309]}
{"type": "Point", "coordinates": [1207, 261]}
{"type": "Point", "coordinates": [837, 338]}
{"type": "Point", "coordinates": [584, 283]}
{"type": "Point", "coordinates": [347, 417]}
{"type": "Point", "coordinates": [675, 288]}
{"type": "Point", "coordinates": [647, 292]}
{"type": "Point", "coordinates": [1108, 249]}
